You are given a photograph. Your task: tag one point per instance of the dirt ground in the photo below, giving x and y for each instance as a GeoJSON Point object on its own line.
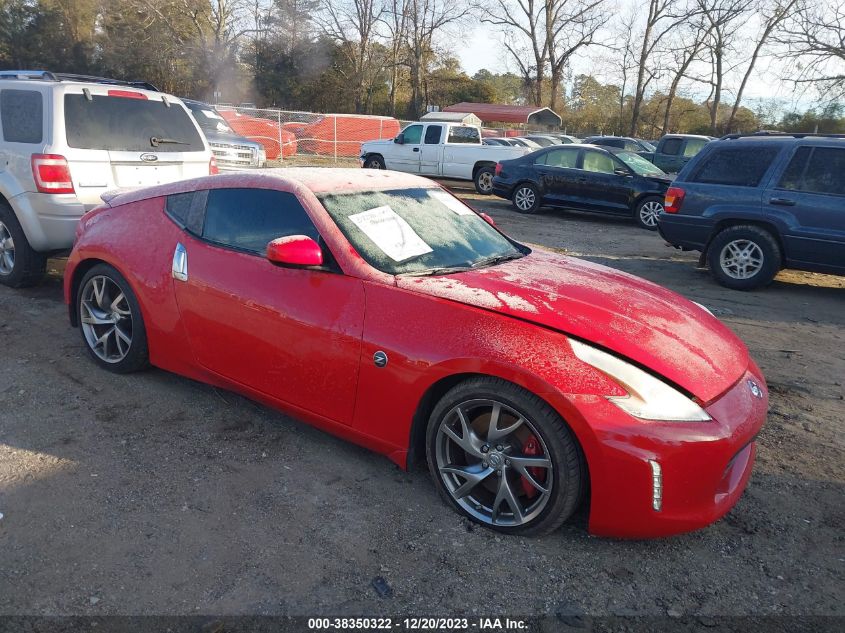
{"type": "Point", "coordinates": [152, 494]}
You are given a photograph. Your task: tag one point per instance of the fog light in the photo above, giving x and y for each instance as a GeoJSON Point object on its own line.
{"type": "Point", "coordinates": [656, 485]}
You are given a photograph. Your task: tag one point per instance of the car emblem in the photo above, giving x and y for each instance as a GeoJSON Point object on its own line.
{"type": "Point", "coordinates": [380, 359]}
{"type": "Point", "coordinates": [149, 158]}
{"type": "Point", "coordinates": [755, 389]}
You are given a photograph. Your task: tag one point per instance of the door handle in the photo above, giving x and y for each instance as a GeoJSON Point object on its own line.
{"type": "Point", "coordinates": [180, 263]}
{"type": "Point", "coordinates": [416, 149]}
{"type": "Point", "coordinates": [782, 201]}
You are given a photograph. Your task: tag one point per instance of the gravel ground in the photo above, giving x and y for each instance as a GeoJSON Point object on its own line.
{"type": "Point", "coordinates": [153, 494]}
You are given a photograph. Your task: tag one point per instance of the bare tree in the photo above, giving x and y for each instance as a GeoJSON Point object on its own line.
{"type": "Point", "coordinates": [774, 13]}
{"type": "Point", "coordinates": [814, 38]}
{"type": "Point", "coordinates": [570, 26]}
{"type": "Point", "coordinates": [352, 23]}
{"type": "Point", "coordinates": [692, 36]}
{"type": "Point", "coordinates": [724, 17]}
{"type": "Point", "coordinates": [426, 19]}
{"type": "Point", "coordinates": [395, 20]}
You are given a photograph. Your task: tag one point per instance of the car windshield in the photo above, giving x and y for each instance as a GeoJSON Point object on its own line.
{"type": "Point", "coordinates": [209, 119]}
{"type": "Point", "coordinates": [649, 147]}
{"type": "Point", "coordinates": [417, 231]}
{"type": "Point", "coordinates": [640, 165]}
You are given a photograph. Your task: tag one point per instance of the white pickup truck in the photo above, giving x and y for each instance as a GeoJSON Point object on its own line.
{"type": "Point", "coordinates": [445, 150]}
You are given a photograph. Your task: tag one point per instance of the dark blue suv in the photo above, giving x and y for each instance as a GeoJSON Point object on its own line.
{"type": "Point", "coordinates": [755, 204]}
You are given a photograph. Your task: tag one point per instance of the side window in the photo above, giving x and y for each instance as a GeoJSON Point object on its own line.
{"type": "Point", "coordinates": [598, 162]}
{"type": "Point", "coordinates": [672, 146]}
{"type": "Point", "coordinates": [178, 206]}
{"type": "Point", "coordinates": [693, 146]}
{"type": "Point", "coordinates": [631, 146]}
{"type": "Point", "coordinates": [794, 172]}
{"type": "Point", "coordinates": [413, 134]}
{"type": "Point", "coordinates": [432, 134]}
{"type": "Point", "coordinates": [464, 134]}
{"type": "Point", "coordinates": [565, 158]}
{"type": "Point", "coordinates": [21, 113]}
{"type": "Point", "coordinates": [249, 219]}
{"type": "Point", "coordinates": [825, 171]}
{"type": "Point", "coordinates": [738, 166]}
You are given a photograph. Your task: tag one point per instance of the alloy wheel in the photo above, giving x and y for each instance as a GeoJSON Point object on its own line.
{"type": "Point", "coordinates": [106, 319]}
{"type": "Point", "coordinates": [649, 212]}
{"type": "Point", "coordinates": [524, 198]}
{"type": "Point", "coordinates": [494, 463]}
{"type": "Point", "coordinates": [7, 251]}
{"type": "Point", "coordinates": [485, 182]}
{"type": "Point", "coordinates": [741, 259]}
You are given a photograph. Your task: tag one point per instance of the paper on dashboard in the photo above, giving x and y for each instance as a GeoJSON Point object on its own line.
{"type": "Point", "coordinates": [392, 234]}
{"type": "Point", "coordinates": [453, 203]}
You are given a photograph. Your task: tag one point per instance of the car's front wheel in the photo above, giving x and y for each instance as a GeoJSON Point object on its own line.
{"type": "Point", "coordinates": [111, 322]}
{"type": "Point", "coordinates": [504, 458]}
{"type": "Point", "coordinates": [647, 211]}
{"type": "Point", "coordinates": [744, 257]}
{"type": "Point", "coordinates": [526, 198]}
{"type": "Point", "coordinates": [374, 162]}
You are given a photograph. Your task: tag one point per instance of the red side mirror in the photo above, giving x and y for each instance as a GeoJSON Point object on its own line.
{"type": "Point", "coordinates": [488, 219]}
{"type": "Point", "coordinates": [295, 250]}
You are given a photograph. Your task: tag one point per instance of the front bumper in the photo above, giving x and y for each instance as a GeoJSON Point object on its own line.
{"type": "Point", "coordinates": [704, 466]}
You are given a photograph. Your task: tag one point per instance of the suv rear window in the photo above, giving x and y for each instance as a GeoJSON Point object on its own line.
{"type": "Point", "coordinates": [737, 166]}
{"type": "Point", "coordinates": [124, 124]}
{"type": "Point", "coordinates": [21, 115]}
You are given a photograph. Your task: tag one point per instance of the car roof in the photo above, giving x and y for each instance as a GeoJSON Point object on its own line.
{"type": "Point", "coordinates": [318, 180]}
{"type": "Point", "coordinates": [785, 138]}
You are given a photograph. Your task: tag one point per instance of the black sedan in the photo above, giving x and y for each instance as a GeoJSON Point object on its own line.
{"type": "Point", "coordinates": [586, 178]}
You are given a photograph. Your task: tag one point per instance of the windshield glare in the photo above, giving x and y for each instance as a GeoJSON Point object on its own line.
{"type": "Point", "coordinates": [639, 164]}
{"type": "Point", "coordinates": [416, 230]}
{"type": "Point", "coordinates": [209, 119]}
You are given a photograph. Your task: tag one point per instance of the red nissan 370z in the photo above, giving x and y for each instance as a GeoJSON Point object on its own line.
{"type": "Point", "coordinates": [378, 307]}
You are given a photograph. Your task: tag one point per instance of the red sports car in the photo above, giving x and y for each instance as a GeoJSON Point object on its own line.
{"type": "Point", "coordinates": [377, 306]}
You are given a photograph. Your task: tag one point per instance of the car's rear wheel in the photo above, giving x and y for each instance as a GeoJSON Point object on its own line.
{"type": "Point", "coordinates": [526, 198]}
{"type": "Point", "coordinates": [504, 458]}
{"type": "Point", "coordinates": [374, 162]}
{"type": "Point", "coordinates": [110, 321]}
{"type": "Point", "coordinates": [20, 265]}
{"type": "Point", "coordinates": [484, 180]}
{"type": "Point", "coordinates": [647, 211]}
{"type": "Point", "coordinates": [744, 257]}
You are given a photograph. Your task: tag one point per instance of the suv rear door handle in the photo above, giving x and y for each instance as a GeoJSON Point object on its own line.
{"type": "Point", "coordinates": [782, 201]}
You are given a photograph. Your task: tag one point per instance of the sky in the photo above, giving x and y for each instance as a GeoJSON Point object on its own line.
{"type": "Point", "coordinates": [482, 49]}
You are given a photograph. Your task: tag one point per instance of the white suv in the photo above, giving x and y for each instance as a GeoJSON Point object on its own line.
{"type": "Point", "coordinates": [65, 140]}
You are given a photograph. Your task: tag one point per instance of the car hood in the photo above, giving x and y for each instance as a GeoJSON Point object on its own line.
{"type": "Point", "coordinates": [662, 180]}
{"type": "Point", "coordinates": [375, 144]}
{"type": "Point", "coordinates": [227, 137]}
{"type": "Point", "coordinates": [632, 317]}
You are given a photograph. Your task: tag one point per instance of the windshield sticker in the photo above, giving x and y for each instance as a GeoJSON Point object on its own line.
{"type": "Point", "coordinates": [450, 201]}
{"type": "Point", "coordinates": [209, 114]}
{"type": "Point", "coordinates": [390, 233]}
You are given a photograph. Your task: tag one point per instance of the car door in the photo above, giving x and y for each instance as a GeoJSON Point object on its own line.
{"type": "Point", "coordinates": [557, 171]}
{"type": "Point", "coordinates": [405, 156]}
{"type": "Point", "coordinates": [431, 149]}
{"type": "Point", "coordinates": [292, 334]}
{"type": "Point", "coordinates": [600, 189]}
{"type": "Point", "coordinates": [809, 200]}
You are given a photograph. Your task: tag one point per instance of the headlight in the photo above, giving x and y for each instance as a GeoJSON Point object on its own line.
{"type": "Point", "coordinates": [648, 398]}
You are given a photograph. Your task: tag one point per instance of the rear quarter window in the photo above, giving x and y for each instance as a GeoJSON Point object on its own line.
{"type": "Point", "coordinates": [21, 114]}
{"type": "Point", "coordinates": [737, 166]}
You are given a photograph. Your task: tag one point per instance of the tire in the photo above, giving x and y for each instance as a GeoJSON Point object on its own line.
{"type": "Point", "coordinates": [762, 260]}
{"type": "Point", "coordinates": [646, 212]}
{"type": "Point", "coordinates": [20, 265]}
{"type": "Point", "coordinates": [499, 474]}
{"type": "Point", "coordinates": [103, 315]}
{"type": "Point", "coordinates": [374, 162]}
{"type": "Point", "coordinates": [484, 180]}
{"type": "Point", "coordinates": [526, 198]}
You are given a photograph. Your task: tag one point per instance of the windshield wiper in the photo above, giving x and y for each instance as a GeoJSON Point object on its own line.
{"type": "Point", "coordinates": [430, 272]}
{"type": "Point", "coordinates": [498, 259]}
{"type": "Point", "coordinates": [155, 141]}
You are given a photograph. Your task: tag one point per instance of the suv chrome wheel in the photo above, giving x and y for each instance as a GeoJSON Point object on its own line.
{"type": "Point", "coordinates": [741, 259]}
{"type": "Point", "coordinates": [106, 319]}
{"type": "Point", "coordinates": [494, 463]}
{"type": "Point", "coordinates": [7, 251]}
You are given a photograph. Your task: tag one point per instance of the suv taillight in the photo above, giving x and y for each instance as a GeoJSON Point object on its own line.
{"type": "Point", "coordinates": [498, 168]}
{"type": "Point", "coordinates": [212, 167]}
{"type": "Point", "coordinates": [51, 174]}
{"type": "Point", "coordinates": [674, 199]}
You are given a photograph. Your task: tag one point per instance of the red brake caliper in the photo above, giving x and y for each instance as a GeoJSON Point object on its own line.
{"type": "Point", "coordinates": [532, 447]}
